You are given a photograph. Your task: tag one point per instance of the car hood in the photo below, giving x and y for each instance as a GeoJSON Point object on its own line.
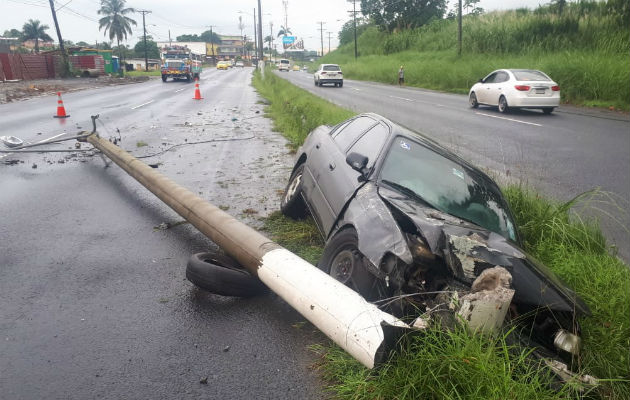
{"type": "Point", "coordinates": [468, 249]}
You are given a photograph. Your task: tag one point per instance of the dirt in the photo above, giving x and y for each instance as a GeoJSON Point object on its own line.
{"type": "Point", "coordinates": [11, 91]}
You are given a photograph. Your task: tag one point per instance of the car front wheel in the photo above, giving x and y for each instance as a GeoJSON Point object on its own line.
{"type": "Point", "coordinates": [343, 261]}
{"type": "Point", "coordinates": [292, 204]}
{"type": "Point", "coordinates": [472, 100]}
{"type": "Point", "coordinates": [503, 105]}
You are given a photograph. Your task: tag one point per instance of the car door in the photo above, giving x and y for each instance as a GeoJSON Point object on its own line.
{"type": "Point", "coordinates": [497, 87]}
{"type": "Point", "coordinates": [485, 87]}
{"type": "Point", "coordinates": [334, 180]}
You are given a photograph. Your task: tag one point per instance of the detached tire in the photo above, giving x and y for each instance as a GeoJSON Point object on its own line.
{"type": "Point", "coordinates": [292, 204]}
{"type": "Point", "coordinates": [222, 275]}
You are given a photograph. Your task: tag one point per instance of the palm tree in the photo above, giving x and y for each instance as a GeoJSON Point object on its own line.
{"type": "Point", "coordinates": [33, 30]}
{"type": "Point", "coordinates": [284, 31]}
{"type": "Point", "coordinates": [114, 21]}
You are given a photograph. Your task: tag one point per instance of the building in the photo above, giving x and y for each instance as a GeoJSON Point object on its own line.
{"type": "Point", "coordinates": [138, 63]}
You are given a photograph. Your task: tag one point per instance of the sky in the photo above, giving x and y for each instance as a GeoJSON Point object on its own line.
{"type": "Point", "coordinates": [78, 19]}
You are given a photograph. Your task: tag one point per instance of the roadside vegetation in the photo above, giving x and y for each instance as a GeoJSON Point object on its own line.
{"type": "Point", "coordinates": [144, 73]}
{"type": "Point", "coordinates": [456, 364]}
{"type": "Point", "coordinates": [583, 47]}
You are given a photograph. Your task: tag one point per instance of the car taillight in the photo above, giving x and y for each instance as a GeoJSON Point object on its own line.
{"type": "Point", "coordinates": [340, 73]}
{"type": "Point", "coordinates": [555, 88]}
{"type": "Point", "coordinates": [522, 88]}
{"type": "Point", "coordinates": [323, 72]}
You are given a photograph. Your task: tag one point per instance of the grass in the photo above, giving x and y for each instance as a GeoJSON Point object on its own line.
{"type": "Point", "coordinates": [141, 143]}
{"type": "Point", "coordinates": [455, 364]}
{"type": "Point", "coordinates": [143, 73]}
{"type": "Point", "coordinates": [584, 50]}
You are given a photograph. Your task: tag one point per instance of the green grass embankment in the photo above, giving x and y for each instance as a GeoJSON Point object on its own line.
{"type": "Point", "coordinates": [585, 50]}
{"type": "Point", "coordinates": [456, 364]}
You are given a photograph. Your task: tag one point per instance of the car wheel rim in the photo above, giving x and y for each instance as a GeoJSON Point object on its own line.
{"type": "Point", "coordinates": [502, 104]}
{"type": "Point", "coordinates": [342, 266]}
{"type": "Point", "coordinates": [293, 187]}
{"type": "Point", "coordinates": [473, 100]}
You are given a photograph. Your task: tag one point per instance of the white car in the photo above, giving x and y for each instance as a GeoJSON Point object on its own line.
{"type": "Point", "coordinates": [284, 65]}
{"type": "Point", "coordinates": [328, 73]}
{"type": "Point", "coordinates": [516, 88]}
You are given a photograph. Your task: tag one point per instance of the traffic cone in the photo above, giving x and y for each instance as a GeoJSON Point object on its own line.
{"type": "Point", "coordinates": [197, 92]}
{"type": "Point", "coordinates": [61, 110]}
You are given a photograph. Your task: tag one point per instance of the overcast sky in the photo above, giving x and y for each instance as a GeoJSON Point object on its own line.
{"type": "Point", "coordinates": [78, 18]}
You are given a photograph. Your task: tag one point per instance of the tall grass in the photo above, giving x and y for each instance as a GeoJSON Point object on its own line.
{"type": "Point", "coordinates": [585, 50]}
{"type": "Point", "coordinates": [455, 364]}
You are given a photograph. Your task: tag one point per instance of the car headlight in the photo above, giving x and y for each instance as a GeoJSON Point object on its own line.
{"type": "Point", "coordinates": [567, 341]}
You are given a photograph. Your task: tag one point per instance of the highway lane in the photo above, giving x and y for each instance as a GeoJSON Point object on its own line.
{"type": "Point", "coordinates": [93, 298]}
{"type": "Point", "coordinates": [563, 154]}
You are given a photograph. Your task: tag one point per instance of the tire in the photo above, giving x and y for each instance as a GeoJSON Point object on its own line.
{"type": "Point", "coordinates": [188, 78]}
{"type": "Point", "coordinates": [319, 83]}
{"type": "Point", "coordinates": [340, 84]}
{"type": "Point", "coordinates": [164, 78]}
{"type": "Point", "coordinates": [503, 105]}
{"type": "Point", "coordinates": [547, 110]}
{"type": "Point", "coordinates": [343, 261]}
{"type": "Point", "coordinates": [314, 82]}
{"type": "Point", "coordinates": [472, 100]}
{"type": "Point", "coordinates": [292, 204]}
{"type": "Point", "coordinates": [220, 274]}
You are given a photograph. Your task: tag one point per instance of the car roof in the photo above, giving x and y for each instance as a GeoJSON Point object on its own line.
{"type": "Point", "coordinates": [330, 64]}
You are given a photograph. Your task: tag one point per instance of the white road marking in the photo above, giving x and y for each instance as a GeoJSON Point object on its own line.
{"type": "Point", "coordinates": [401, 98]}
{"type": "Point", "coordinates": [508, 119]}
{"type": "Point", "coordinates": [142, 105]}
{"type": "Point", "coordinates": [353, 88]}
{"type": "Point", "coordinates": [41, 141]}
{"type": "Point", "coordinates": [179, 90]}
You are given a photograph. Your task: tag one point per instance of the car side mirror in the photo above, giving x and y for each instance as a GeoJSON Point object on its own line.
{"type": "Point", "coordinates": [358, 162]}
{"type": "Point", "coordinates": [480, 80]}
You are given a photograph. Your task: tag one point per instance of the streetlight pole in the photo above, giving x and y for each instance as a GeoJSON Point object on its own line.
{"type": "Point", "coordinates": [260, 47]}
{"type": "Point", "coordinates": [321, 31]}
{"type": "Point", "coordinates": [255, 35]}
{"type": "Point", "coordinates": [144, 28]}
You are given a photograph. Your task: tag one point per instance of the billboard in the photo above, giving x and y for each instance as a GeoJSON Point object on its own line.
{"type": "Point", "coordinates": [287, 41]}
{"type": "Point", "coordinates": [297, 45]}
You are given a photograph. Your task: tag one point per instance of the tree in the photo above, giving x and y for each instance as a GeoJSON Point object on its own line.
{"type": "Point", "coordinates": [346, 34]}
{"type": "Point", "coordinates": [82, 44]}
{"type": "Point", "coordinates": [115, 22]}
{"type": "Point", "coordinates": [210, 37]}
{"type": "Point", "coordinates": [403, 14]}
{"type": "Point", "coordinates": [284, 31]}
{"type": "Point", "coordinates": [13, 33]}
{"type": "Point", "coordinates": [152, 49]}
{"type": "Point", "coordinates": [188, 38]}
{"type": "Point", "coordinates": [34, 30]}
{"type": "Point", "coordinates": [472, 8]}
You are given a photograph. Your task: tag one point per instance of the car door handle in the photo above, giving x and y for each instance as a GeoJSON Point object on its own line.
{"type": "Point", "coordinates": [331, 166]}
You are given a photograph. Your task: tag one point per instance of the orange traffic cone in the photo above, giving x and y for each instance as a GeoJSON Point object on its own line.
{"type": "Point", "coordinates": [197, 92]}
{"type": "Point", "coordinates": [61, 110]}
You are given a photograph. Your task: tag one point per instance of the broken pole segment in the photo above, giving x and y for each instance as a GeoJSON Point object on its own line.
{"type": "Point", "coordinates": [359, 327]}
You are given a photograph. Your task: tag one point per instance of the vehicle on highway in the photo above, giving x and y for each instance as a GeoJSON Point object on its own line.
{"type": "Point", "coordinates": [222, 65]}
{"type": "Point", "coordinates": [305, 68]}
{"type": "Point", "coordinates": [239, 64]}
{"type": "Point", "coordinates": [328, 73]}
{"type": "Point", "coordinates": [406, 219]}
{"type": "Point", "coordinates": [516, 88]}
{"type": "Point", "coordinates": [179, 62]}
{"type": "Point", "coordinates": [284, 64]}
{"type": "Point", "coordinates": [296, 67]}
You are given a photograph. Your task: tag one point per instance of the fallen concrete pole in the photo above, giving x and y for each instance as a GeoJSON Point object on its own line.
{"type": "Point", "coordinates": [359, 327]}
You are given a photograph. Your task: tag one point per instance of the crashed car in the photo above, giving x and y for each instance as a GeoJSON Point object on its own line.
{"type": "Point", "coordinates": [406, 219]}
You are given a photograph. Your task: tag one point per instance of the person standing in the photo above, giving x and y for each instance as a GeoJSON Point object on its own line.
{"type": "Point", "coordinates": [401, 76]}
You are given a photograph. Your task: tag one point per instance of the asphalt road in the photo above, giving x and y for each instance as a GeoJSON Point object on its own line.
{"type": "Point", "coordinates": [93, 298]}
{"type": "Point", "coordinates": [563, 154]}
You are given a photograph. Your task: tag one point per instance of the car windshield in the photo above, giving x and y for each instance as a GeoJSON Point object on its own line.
{"type": "Point", "coordinates": [331, 68]}
{"type": "Point", "coordinates": [529, 75]}
{"type": "Point", "coordinates": [284, 61]}
{"type": "Point", "coordinates": [446, 185]}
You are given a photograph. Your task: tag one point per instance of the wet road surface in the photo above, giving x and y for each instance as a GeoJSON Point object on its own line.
{"type": "Point", "coordinates": [93, 298]}
{"type": "Point", "coordinates": [563, 154]}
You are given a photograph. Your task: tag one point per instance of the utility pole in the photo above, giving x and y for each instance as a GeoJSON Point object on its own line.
{"type": "Point", "coordinates": [260, 47]}
{"type": "Point", "coordinates": [271, 39]}
{"type": "Point", "coordinates": [255, 35]}
{"type": "Point", "coordinates": [321, 31]}
{"type": "Point", "coordinates": [354, 18]}
{"type": "Point", "coordinates": [169, 38]}
{"type": "Point", "coordinates": [64, 56]}
{"type": "Point", "coordinates": [241, 26]}
{"type": "Point", "coordinates": [285, 4]}
{"type": "Point", "coordinates": [329, 33]}
{"type": "Point", "coordinates": [459, 28]}
{"type": "Point", "coordinates": [214, 61]}
{"type": "Point", "coordinates": [144, 29]}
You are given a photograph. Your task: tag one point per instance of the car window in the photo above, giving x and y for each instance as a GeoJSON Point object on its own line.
{"type": "Point", "coordinates": [501, 77]}
{"type": "Point", "coordinates": [530, 75]}
{"type": "Point", "coordinates": [339, 126]}
{"type": "Point", "coordinates": [346, 136]}
{"type": "Point", "coordinates": [331, 68]}
{"type": "Point", "coordinates": [447, 186]}
{"type": "Point", "coordinates": [490, 78]}
{"type": "Point", "coordinates": [284, 61]}
{"type": "Point", "coordinates": [370, 143]}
